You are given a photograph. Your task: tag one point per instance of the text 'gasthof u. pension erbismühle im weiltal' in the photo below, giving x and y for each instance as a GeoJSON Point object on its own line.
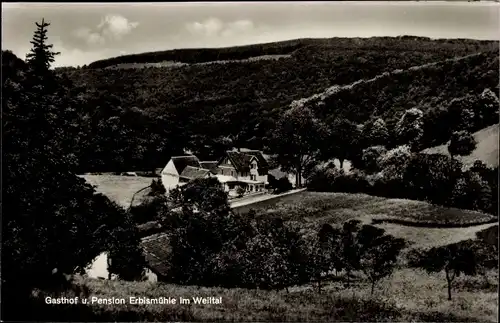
{"type": "Point", "coordinates": [134, 300]}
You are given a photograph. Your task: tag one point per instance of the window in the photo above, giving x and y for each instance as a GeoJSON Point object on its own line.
{"type": "Point", "coordinates": [232, 173]}
{"type": "Point", "coordinates": [253, 177]}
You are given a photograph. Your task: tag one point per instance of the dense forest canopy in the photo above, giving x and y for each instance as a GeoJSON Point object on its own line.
{"type": "Point", "coordinates": [140, 116]}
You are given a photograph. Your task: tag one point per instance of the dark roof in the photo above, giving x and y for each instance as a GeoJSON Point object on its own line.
{"type": "Point", "coordinates": [263, 164]}
{"type": "Point", "coordinates": [193, 172]}
{"type": "Point", "coordinates": [211, 165]}
{"type": "Point", "coordinates": [156, 250]}
{"type": "Point", "coordinates": [181, 162]}
{"type": "Point", "coordinates": [241, 161]}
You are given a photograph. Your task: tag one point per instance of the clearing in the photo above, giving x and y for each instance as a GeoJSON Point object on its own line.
{"type": "Point", "coordinates": [486, 150]}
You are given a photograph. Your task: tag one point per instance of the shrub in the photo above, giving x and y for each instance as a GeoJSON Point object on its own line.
{"type": "Point", "coordinates": [283, 185]}
{"type": "Point", "coordinates": [338, 181]}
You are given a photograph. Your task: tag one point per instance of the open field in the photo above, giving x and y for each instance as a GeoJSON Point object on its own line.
{"type": "Point", "coordinates": [407, 295]}
{"type": "Point", "coordinates": [486, 150]}
{"type": "Point", "coordinates": [335, 208]}
{"type": "Point", "coordinates": [119, 189]}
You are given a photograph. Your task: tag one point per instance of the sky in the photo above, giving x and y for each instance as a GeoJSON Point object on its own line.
{"type": "Point", "coordinates": [87, 32]}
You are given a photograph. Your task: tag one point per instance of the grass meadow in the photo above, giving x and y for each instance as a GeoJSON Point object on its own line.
{"type": "Point", "coordinates": [408, 295]}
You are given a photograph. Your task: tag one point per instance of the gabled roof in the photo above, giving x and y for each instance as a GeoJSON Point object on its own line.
{"type": "Point", "coordinates": [181, 162]}
{"type": "Point", "coordinates": [241, 161]}
{"type": "Point", "coordinates": [210, 165]}
{"type": "Point", "coordinates": [194, 172]}
{"type": "Point", "coordinates": [260, 159]}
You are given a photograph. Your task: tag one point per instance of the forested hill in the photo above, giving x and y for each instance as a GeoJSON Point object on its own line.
{"type": "Point", "coordinates": [293, 47]}
{"type": "Point", "coordinates": [435, 88]}
{"type": "Point", "coordinates": [139, 116]}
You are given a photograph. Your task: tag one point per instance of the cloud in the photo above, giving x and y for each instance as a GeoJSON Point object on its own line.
{"type": "Point", "coordinates": [116, 26]}
{"type": "Point", "coordinates": [111, 27]}
{"type": "Point", "coordinates": [92, 38]}
{"type": "Point", "coordinates": [215, 27]}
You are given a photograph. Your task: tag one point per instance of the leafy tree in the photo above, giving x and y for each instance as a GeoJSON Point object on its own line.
{"type": "Point", "coordinates": [350, 248]}
{"type": "Point", "coordinates": [205, 194]}
{"type": "Point", "coordinates": [462, 143]}
{"type": "Point", "coordinates": [125, 257]}
{"type": "Point", "coordinates": [409, 129]}
{"type": "Point", "coordinates": [371, 158]}
{"type": "Point", "coordinates": [489, 107]}
{"type": "Point", "coordinates": [378, 253]}
{"type": "Point", "coordinates": [471, 192]}
{"type": "Point", "coordinates": [324, 254]}
{"type": "Point", "coordinates": [394, 161]}
{"type": "Point", "coordinates": [204, 225]}
{"type": "Point", "coordinates": [431, 177]}
{"type": "Point", "coordinates": [339, 141]}
{"type": "Point", "coordinates": [375, 133]}
{"type": "Point", "coordinates": [152, 209]}
{"type": "Point", "coordinates": [296, 139]}
{"type": "Point", "coordinates": [453, 259]}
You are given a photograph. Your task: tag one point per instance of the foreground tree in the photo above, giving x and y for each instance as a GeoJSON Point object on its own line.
{"type": "Point", "coordinates": [453, 259]}
{"type": "Point", "coordinates": [52, 218]}
{"type": "Point", "coordinates": [350, 254]}
{"type": "Point", "coordinates": [378, 253]}
{"type": "Point", "coordinates": [462, 143]}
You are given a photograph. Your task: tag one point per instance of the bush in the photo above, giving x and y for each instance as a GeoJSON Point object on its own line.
{"type": "Point", "coordinates": [325, 180]}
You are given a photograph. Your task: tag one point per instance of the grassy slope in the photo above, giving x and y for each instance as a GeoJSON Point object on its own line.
{"type": "Point", "coordinates": [407, 295]}
{"type": "Point", "coordinates": [486, 150]}
{"type": "Point", "coordinates": [338, 207]}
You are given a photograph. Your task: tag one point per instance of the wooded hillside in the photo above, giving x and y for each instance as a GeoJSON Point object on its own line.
{"type": "Point", "coordinates": [209, 107]}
